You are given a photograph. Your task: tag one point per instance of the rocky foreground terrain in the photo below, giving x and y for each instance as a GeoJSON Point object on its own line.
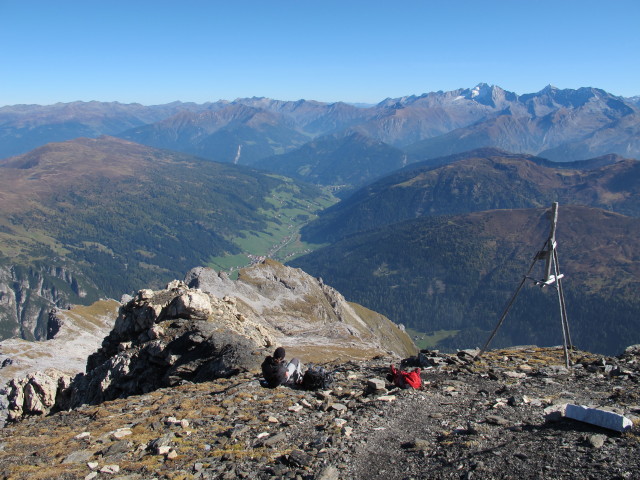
{"type": "Point", "coordinates": [174, 391]}
{"type": "Point", "coordinates": [488, 419]}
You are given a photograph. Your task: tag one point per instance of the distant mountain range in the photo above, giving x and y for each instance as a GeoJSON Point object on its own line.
{"type": "Point", "coordinates": [443, 199]}
{"type": "Point", "coordinates": [561, 125]}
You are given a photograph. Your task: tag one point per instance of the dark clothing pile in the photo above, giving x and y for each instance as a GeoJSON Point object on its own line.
{"type": "Point", "coordinates": [274, 371]}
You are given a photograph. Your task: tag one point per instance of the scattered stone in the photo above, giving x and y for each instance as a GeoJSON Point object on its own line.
{"type": "Point", "coordinates": [163, 450]}
{"type": "Point", "coordinates": [121, 433]}
{"type": "Point", "coordinates": [328, 473]}
{"type": "Point", "coordinates": [338, 407]}
{"type": "Point", "coordinates": [121, 446]}
{"type": "Point", "coordinates": [295, 408]}
{"type": "Point", "coordinates": [554, 413]}
{"type": "Point", "coordinates": [496, 420]}
{"type": "Point", "coordinates": [597, 441]}
{"type": "Point", "coordinates": [387, 398]}
{"type": "Point", "coordinates": [375, 384]}
{"type": "Point", "coordinates": [80, 456]}
{"type": "Point", "coordinates": [339, 421]}
{"type": "Point", "coordinates": [275, 439]}
{"type": "Point", "coordinates": [82, 436]}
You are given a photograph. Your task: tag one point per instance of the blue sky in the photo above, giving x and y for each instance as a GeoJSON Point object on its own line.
{"type": "Point", "coordinates": [155, 52]}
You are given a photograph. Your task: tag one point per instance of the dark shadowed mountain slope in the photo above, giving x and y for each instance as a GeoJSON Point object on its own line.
{"type": "Point", "coordinates": [350, 160]}
{"type": "Point", "coordinates": [125, 215]}
{"type": "Point", "coordinates": [456, 273]}
{"type": "Point", "coordinates": [483, 179]}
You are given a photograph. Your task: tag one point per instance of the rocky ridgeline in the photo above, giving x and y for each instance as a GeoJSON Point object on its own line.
{"type": "Point", "coordinates": [496, 418]}
{"type": "Point", "coordinates": [306, 315]}
{"type": "Point", "coordinates": [182, 334]}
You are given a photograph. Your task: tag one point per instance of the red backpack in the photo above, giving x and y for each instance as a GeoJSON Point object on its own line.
{"type": "Point", "coordinates": [404, 379]}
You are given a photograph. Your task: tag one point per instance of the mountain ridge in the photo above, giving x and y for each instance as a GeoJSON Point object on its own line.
{"type": "Point", "coordinates": [549, 121]}
{"type": "Point", "coordinates": [481, 179]}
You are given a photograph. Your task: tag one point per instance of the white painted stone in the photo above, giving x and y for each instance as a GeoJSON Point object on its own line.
{"type": "Point", "coordinates": [598, 417]}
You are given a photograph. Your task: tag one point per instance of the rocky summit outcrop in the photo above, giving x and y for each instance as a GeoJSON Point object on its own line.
{"type": "Point", "coordinates": [164, 338]}
{"type": "Point", "coordinates": [308, 317]}
{"type": "Point", "coordinates": [212, 328]}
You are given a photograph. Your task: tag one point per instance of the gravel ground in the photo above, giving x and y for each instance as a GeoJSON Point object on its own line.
{"type": "Point", "coordinates": [482, 420]}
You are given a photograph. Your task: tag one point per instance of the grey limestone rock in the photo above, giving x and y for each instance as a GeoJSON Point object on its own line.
{"type": "Point", "coordinates": [167, 337]}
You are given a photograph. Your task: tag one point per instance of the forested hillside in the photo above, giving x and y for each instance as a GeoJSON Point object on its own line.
{"type": "Point", "coordinates": [125, 216]}
{"type": "Point", "coordinates": [458, 272]}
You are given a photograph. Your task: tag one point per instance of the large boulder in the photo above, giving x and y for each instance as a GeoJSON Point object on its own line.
{"type": "Point", "coordinates": [167, 337]}
{"type": "Point", "coordinates": [35, 394]}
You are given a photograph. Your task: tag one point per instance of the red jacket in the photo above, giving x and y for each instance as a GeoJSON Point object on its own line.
{"type": "Point", "coordinates": [404, 379]}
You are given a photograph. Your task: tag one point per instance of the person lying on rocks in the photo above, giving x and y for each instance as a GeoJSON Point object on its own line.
{"type": "Point", "coordinates": [277, 371]}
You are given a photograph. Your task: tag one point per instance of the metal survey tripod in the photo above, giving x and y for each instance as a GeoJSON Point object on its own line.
{"type": "Point", "coordinates": [552, 278]}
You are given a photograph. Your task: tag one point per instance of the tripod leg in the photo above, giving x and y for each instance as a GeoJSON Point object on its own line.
{"type": "Point", "coordinates": [565, 331]}
{"type": "Point", "coordinates": [504, 315]}
{"type": "Point", "coordinates": [564, 305]}
{"type": "Point", "coordinates": [508, 307]}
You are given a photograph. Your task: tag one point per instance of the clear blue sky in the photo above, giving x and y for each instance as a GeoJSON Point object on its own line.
{"type": "Point", "coordinates": [156, 51]}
